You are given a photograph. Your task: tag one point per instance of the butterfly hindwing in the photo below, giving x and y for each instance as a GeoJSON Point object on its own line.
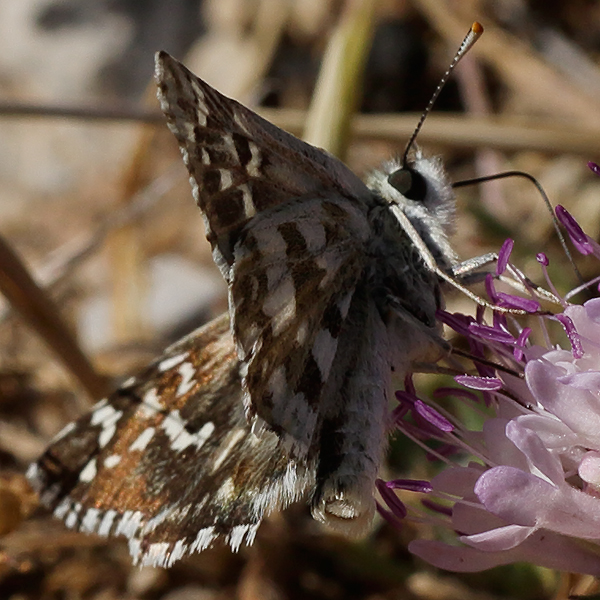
{"type": "Point", "coordinates": [169, 460]}
{"type": "Point", "coordinates": [292, 282]}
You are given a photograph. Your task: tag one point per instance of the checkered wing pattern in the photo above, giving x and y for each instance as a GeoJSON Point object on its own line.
{"type": "Point", "coordinates": [289, 230]}
{"type": "Point", "coordinates": [287, 395]}
{"type": "Point", "coordinates": [169, 460]}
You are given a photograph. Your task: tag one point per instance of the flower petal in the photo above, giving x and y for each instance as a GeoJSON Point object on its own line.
{"type": "Point", "coordinates": [524, 499]}
{"type": "Point", "coordinates": [541, 548]}
{"type": "Point", "coordinates": [461, 559]}
{"type": "Point", "coordinates": [502, 538]}
{"type": "Point", "coordinates": [531, 445]}
{"type": "Point", "coordinates": [457, 481]}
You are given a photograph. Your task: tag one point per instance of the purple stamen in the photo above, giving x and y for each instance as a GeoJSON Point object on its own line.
{"type": "Point", "coordinates": [399, 413]}
{"type": "Point", "coordinates": [485, 332]}
{"type": "Point", "coordinates": [436, 507]}
{"type": "Point", "coordinates": [410, 485]}
{"type": "Point", "coordinates": [490, 288]}
{"type": "Point", "coordinates": [388, 516]}
{"type": "Point", "coordinates": [572, 334]}
{"type": "Point", "coordinates": [389, 497]}
{"type": "Point", "coordinates": [457, 322]}
{"type": "Point", "coordinates": [526, 304]}
{"type": "Point", "coordinates": [500, 321]}
{"type": "Point", "coordinates": [578, 237]}
{"type": "Point", "coordinates": [594, 167]}
{"type": "Point", "coordinates": [504, 255]}
{"type": "Point", "coordinates": [521, 341]}
{"type": "Point", "coordinates": [406, 398]}
{"type": "Point", "coordinates": [489, 384]}
{"type": "Point", "coordinates": [433, 417]}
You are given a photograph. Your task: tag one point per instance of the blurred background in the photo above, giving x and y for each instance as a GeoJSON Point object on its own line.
{"type": "Point", "coordinates": [94, 198]}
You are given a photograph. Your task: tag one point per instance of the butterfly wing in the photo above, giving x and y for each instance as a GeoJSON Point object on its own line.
{"type": "Point", "coordinates": [239, 163]}
{"type": "Point", "coordinates": [289, 229]}
{"type": "Point", "coordinates": [169, 460]}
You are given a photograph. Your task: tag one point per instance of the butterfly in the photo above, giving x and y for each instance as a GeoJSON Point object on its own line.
{"type": "Point", "coordinates": [286, 396]}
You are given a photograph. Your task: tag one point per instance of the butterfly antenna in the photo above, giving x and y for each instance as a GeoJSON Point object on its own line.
{"type": "Point", "coordinates": [471, 37]}
{"type": "Point", "coordinates": [546, 200]}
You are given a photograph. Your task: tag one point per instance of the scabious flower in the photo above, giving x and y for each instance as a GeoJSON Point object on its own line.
{"type": "Point", "coordinates": [531, 491]}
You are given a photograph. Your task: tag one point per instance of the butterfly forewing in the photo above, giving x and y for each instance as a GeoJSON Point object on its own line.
{"type": "Point", "coordinates": [294, 244]}
{"type": "Point", "coordinates": [239, 164]}
{"type": "Point", "coordinates": [169, 460]}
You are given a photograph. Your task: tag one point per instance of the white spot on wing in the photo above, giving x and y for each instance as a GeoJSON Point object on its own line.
{"type": "Point", "coordinates": [90, 520]}
{"type": "Point", "coordinates": [173, 361]}
{"type": "Point", "coordinates": [63, 432]}
{"type": "Point", "coordinates": [203, 539]}
{"type": "Point", "coordinates": [151, 404]}
{"type": "Point", "coordinates": [236, 537]}
{"type": "Point", "coordinates": [204, 433]}
{"type": "Point", "coordinates": [156, 555]}
{"type": "Point", "coordinates": [188, 373]}
{"type": "Point", "coordinates": [102, 414]}
{"type": "Point", "coordinates": [234, 437]}
{"type": "Point", "coordinates": [178, 551]}
{"type": "Point", "coordinates": [88, 472]}
{"type": "Point", "coordinates": [107, 522]}
{"type": "Point", "coordinates": [174, 427]}
{"type": "Point", "coordinates": [99, 404]}
{"type": "Point", "coordinates": [240, 124]}
{"type": "Point", "coordinates": [249, 208]}
{"type": "Point", "coordinates": [106, 416]}
{"type": "Point", "coordinates": [112, 461]}
{"type": "Point", "coordinates": [323, 351]}
{"type": "Point", "coordinates": [280, 304]}
{"type": "Point", "coordinates": [135, 548]}
{"type": "Point", "coordinates": [253, 166]}
{"type": "Point", "coordinates": [33, 474]}
{"type": "Point", "coordinates": [129, 523]}
{"type": "Point", "coordinates": [73, 516]}
{"type": "Point", "coordinates": [142, 440]}
{"type": "Point", "coordinates": [251, 534]}
{"type": "Point", "coordinates": [201, 110]}
{"type": "Point", "coordinates": [63, 508]}
{"type": "Point", "coordinates": [225, 492]}
{"type": "Point", "coordinates": [226, 179]}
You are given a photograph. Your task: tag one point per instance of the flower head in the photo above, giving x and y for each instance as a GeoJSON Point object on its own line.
{"type": "Point", "coordinates": [532, 490]}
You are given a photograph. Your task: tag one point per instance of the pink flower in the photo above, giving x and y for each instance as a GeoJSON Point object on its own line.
{"type": "Point", "coordinates": [532, 492]}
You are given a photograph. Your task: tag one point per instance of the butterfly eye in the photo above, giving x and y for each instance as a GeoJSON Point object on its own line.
{"type": "Point", "coordinates": [410, 183]}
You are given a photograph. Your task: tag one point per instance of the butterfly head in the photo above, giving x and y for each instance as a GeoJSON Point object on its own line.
{"type": "Point", "coordinates": [420, 188]}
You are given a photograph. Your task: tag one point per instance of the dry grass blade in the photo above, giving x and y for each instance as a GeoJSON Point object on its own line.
{"type": "Point", "coordinates": [510, 133]}
{"type": "Point", "coordinates": [335, 98]}
{"type": "Point", "coordinates": [87, 113]}
{"type": "Point", "coordinates": [40, 312]}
